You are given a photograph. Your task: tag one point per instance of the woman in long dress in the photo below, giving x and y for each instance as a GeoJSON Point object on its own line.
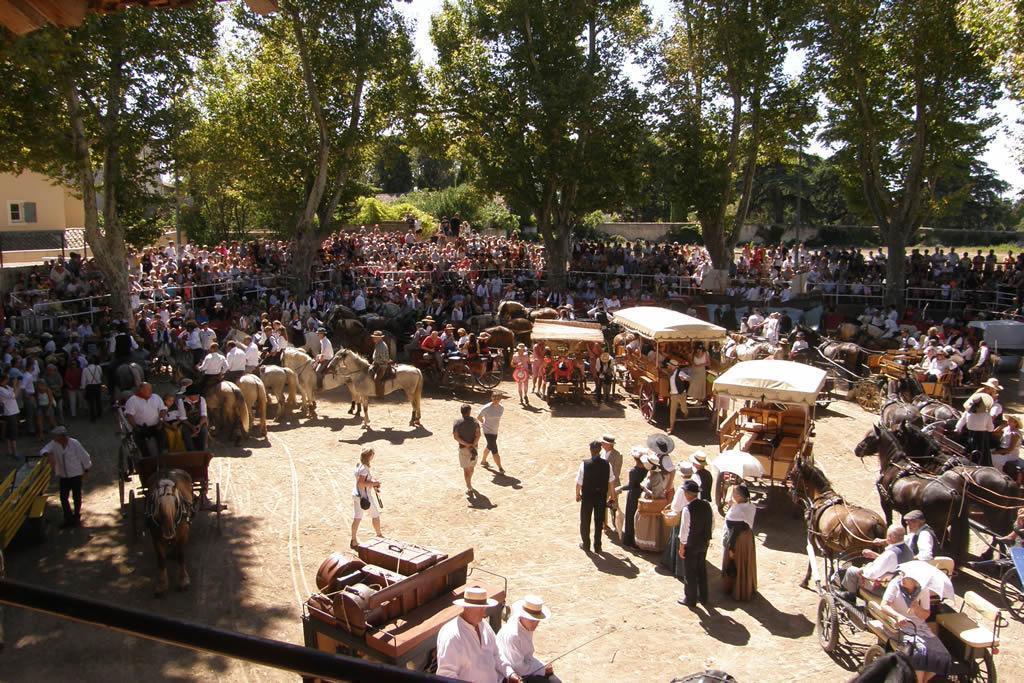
{"type": "Point", "coordinates": [739, 557]}
{"type": "Point", "coordinates": [906, 601]}
{"type": "Point", "coordinates": [698, 372]}
{"type": "Point", "coordinates": [634, 489]}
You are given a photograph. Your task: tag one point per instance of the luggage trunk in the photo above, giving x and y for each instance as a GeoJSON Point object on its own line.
{"type": "Point", "coordinates": [398, 556]}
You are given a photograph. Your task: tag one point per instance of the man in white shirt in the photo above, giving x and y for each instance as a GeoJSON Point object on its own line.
{"type": "Point", "coordinates": [921, 540]}
{"type": "Point", "coordinates": [882, 564]}
{"type": "Point", "coordinates": [252, 354]}
{"type": "Point", "coordinates": [489, 418]}
{"type": "Point", "coordinates": [92, 383]}
{"type": "Point", "coordinates": [515, 641]}
{"type": "Point", "coordinates": [236, 362]}
{"type": "Point", "coordinates": [467, 647]}
{"type": "Point", "coordinates": [755, 321]}
{"type": "Point", "coordinates": [679, 387]}
{"type": "Point", "coordinates": [212, 366]}
{"type": "Point", "coordinates": [207, 337]}
{"type": "Point", "coordinates": [70, 462]}
{"type": "Point", "coordinates": [144, 413]}
{"type": "Point", "coordinates": [323, 356]}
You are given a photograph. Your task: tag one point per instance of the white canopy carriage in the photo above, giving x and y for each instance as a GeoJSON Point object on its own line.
{"type": "Point", "coordinates": [775, 421]}
{"type": "Point", "coordinates": [667, 335]}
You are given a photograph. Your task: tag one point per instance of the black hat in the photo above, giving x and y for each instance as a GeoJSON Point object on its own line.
{"type": "Point", "coordinates": [192, 390]}
{"type": "Point", "coordinates": [691, 486]}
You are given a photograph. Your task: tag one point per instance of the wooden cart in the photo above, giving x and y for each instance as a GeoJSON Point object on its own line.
{"type": "Point", "coordinates": [398, 620]}
{"type": "Point", "coordinates": [23, 500]}
{"type": "Point", "coordinates": [195, 463]}
{"type": "Point", "coordinates": [570, 343]}
{"type": "Point", "coordinates": [665, 334]}
{"type": "Point", "coordinates": [770, 407]}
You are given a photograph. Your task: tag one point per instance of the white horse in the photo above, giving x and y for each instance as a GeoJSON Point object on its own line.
{"type": "Point", "coordinates": [255, 394]}
{"type": "Point", "coordinates": [304, 367]}
{"type": "Point", "coordinates": [351, 368]}
{"type": "Point", "coordinates": [277, 380]}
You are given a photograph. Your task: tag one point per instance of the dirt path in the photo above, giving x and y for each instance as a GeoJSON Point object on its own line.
{"type": "Point", "coordinates": [290, 506]}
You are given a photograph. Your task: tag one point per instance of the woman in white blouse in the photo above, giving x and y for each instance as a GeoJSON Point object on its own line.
{"type": "Point", "coordinates": [365, 497]}
{"type": "Point", "coordinates": [698, 372]}
{"type": "Point", "coordinates": [739, 558]}
{"type": "Point", "coordinates": [1008, 451]}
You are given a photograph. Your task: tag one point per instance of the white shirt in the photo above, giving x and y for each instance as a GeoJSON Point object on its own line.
{"type": "Point", "coordinates": [193, 342]}
{"type": "Point", "coordinates": [463, 655]}
{"type": "Point", "coordinates": [93, 374]}
{"type": "Point", "coordinates": [515, 647]}
{"type": "Point", "coordinates": [975, 422]}
{"type": "Point", "coordinates": [213, 364]}
{"type": "Point", "coordinates": [144, 411]}
{"type": "Point", "coordinates": [28, 383]}
{"type": "Point", "coordinates": [742, 512]}
{"type": "Point", "coordinates": [68, 461]}
{"type": "Point", "coordinates": [489, 418]}
{"type": "Point", "coordinates": [361, 471]}
{"type": "Point", "coordinates": [236, 359]}
{"type": "Point", "coordinates": [925, 544]}
{"type": "Point", "coordinates": [326, 349]}
{"type": "Point", "coordinates": [886, 563]}
{"type": "Point", "coordinates": [684, 522]}
{"type": "Point", "coordinates": [800, 345]}
{"type": "Point", "coordinates": [8, 401]}
{"type": "Point", "coordinates": [680, 374]}
{"type": "Point", "coordinates": [252, 355]}
{"type": "Point", "coordinates": [893, 597]}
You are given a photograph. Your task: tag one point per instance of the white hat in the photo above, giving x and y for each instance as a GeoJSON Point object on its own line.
{"type": "Point", "coordinates": [532, 607]}
{"type": "Point", "coordinates": [685, 466]}
{"type": "Point", "coordinates": [475, 596]}
{"type": "Point", "coordinates": [699, 457]}
{"type": "Point", "coordinates": [992, 383]}
{"type": "Point", "coordinates": [60, 430]}
{"type": "Point", "coordinates": [662, 444]}
{"type": "Point", "coordinates": [650, 461]}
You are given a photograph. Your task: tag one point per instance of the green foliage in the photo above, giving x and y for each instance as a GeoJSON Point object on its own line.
{"type": "Point", "coordinates": [468, 203]}
{"type": "Point", "coordinates": [370, 210]}
{"type": "Point", "coordinates": [998, 30]}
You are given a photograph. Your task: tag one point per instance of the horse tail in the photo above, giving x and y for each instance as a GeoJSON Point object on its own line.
{"type": "Point", "coordinates": [243, 409]}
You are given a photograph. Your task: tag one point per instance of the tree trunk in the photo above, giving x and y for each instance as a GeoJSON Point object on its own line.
{"type": "Point", "coordinates": [556, 255]}
{"type": "Point", "coordinates": [300, 262]}
{"type": "Point", "coordinates": [895, 270]}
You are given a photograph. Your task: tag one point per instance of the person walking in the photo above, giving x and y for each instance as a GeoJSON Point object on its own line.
{"type": "Point", "coordinates": [466, 432]}
{"type": "Point", "coordinates": [490, 418]}
{"type": "Point", "coordinates": [10, 411]}
{"type": "Point", "coordinates": [595, 490]}
{"type": "Point", "coordinates": [977, 419]}
{"type": "Point", "coordinates": [70, 462]}
{"type": "Point", "coordinates": [695, 524]}
{"type": "Point", "coordinates": [73, 384]}
{"type": "Point", "coordinates": [678, 386]}
{"type": "Point", "coordinates": [92, 381]}
{"type": "Point", "coordinates": [521, 373]}
{"type": "Point", "coordinates": [537, 367]}
{"type": "Point", "coordinates": [365, 497]}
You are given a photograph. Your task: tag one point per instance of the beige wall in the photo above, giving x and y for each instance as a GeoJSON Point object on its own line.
{"type": "Point", "coordinates": [56, 206]}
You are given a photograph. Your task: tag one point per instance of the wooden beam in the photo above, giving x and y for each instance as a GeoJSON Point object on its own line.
{"type": "Point", "coordinates": [61, 12]}
{"type": "Point", "coordinates": [19, 20]}
{"type": "Point", "coordinates": [262, 6]}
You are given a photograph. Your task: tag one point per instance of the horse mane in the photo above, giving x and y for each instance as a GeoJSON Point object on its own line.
{"type": "Point", "coordinates": [815, 476]}
{"type": "Point", "coordinates": [360, 361]}
{"type": "Point", "coordinates": [893, 667]}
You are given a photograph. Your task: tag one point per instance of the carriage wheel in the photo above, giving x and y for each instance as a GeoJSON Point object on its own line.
{"type": "Point", "coordinates": [1013, 596]}
{"type": "Point", "coordinates": [120, 492]}
{"type": "Point", "coordinates": [977, 670]}
{"type": "Point", "coordinates": [216, 502]}
{"type": "Point", "coordinates": [131, 514]}
{"type": "Point", "coordinates": [873, 653]}
{"type": "Point", "coordinates": [828, 624]}
{"type": "Point", "coordinates": [647, 402]}
{"type": "Point", "coordinates": [490, 379]}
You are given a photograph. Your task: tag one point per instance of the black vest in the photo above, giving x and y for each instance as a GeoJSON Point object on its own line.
{"type": "Point", "coordinates": [913, 541]}
{"type": "Point", "coordinates": [700, 523]}
{"type": "Point", "coordinates": [705, 484]}
{"type": "Point", "coordinates": [596, 473]}
{"type": "Point", "coordinates": [122, 345]}
{"type": "Point", "coordinates": [903, 553]}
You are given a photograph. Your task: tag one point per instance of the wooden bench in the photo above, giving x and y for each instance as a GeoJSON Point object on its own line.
{"type": "Point", "coordinates": [22, 496]}
{"type": "Point", "coordinates": [968, 629]}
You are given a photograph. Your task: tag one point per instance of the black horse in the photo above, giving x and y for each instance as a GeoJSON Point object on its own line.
{"type": "Point", "coordinates": [847, 355]}
{"type": "Point", "coordinates": [904, 486]}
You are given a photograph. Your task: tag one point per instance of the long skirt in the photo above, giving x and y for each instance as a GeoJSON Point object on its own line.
{"type": "Point", "coordinates": [741, 569]}
{"type": "Point", "coordinates": [698, 382]}
{"type": "Point", "coordinates": [672, 561]}
{"type": "Point", "coordinates": [175, 442]}
{"type": "Point", "coordinates": [648, 528]}
{"type": "Point", "coordinates": [927, 653]}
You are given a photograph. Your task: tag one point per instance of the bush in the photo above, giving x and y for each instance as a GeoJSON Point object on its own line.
{"type": "Point", "coordinates": [469, 203]}
{"type": "Point", "coordinates": [684, 234]}
{"type": "Point", "coordinates": [370, 210]}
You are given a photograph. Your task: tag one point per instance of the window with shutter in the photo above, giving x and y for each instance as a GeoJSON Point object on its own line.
{"type": "Point", "coordinates": [29, 212]}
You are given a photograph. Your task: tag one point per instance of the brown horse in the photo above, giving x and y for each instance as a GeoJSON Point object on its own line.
{"type": "Point", "coordinates": [834, 527]}
{"type": "Point", "coordinates": [543, 314]}
{"type": "Point", "coordinates": [228, 410]}
{"type": "Point", "coordinates": [904, 486]}
{"type": "Point", "coordinates": [168, 516]}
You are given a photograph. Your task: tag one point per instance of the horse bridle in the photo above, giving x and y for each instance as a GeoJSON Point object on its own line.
{"type": "Point", "coordinates": [182, 512]}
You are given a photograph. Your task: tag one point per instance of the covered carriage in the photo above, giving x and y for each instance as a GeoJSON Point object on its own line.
{"type": "Point", "coordinates": [573, 346]}
{"type": "Point", "coordinates": [769, 408]}
{"type": "Point", "coordinates": [665, 335]}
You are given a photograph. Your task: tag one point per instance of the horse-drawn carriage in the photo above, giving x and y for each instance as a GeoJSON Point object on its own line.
{"type": "Point", "coordinates": [570, 344]}
{"type": "Point", "coordinates": [459, 370]}
{"type": "Point", "coordinates": [771, 425]}
{"type": "Point", "coordinates": [968, 628]}
{"type": "Point", "coordinates": [389, 603]}
{"type": "Point", "coordinates": [665, 335]}
{"type": "Point", "coordinates": [194, 463]}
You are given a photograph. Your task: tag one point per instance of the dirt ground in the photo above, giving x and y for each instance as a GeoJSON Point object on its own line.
{"type": "Point", "coordinates": [290, 506]}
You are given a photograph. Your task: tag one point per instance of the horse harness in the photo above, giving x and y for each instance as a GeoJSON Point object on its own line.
{"type": "Point", "coordinates": [182, 512]}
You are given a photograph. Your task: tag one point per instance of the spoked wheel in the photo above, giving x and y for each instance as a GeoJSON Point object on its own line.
{"type": "Point", "coordinates": [828, 624]}
{"type": "Point", "coordinates": [721, 488]}
{"type": "Point", "coordinates": [647, 402]}
{"type": "Point", "coordinates": [1013, 596]}
{"type": "Point", "coordinates": [981, 670]}
{"type": "Point", "coordinates": [490, 379]}
{"type": "Point", "coordinates": [873, 653]}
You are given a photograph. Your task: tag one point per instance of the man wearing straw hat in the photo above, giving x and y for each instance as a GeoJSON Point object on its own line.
{"type": "Point", "coordinates": [467, 648]}
{"type": "Point", "coordinates": [381, 356]}
{"type": "Point", "coordinates": [515, 642]}
{"type": "Point", "coordinates": [977, 420]}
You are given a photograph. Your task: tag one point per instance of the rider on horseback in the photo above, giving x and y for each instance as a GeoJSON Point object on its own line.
{"type": "Point", "coordinates": [326, 353]}
{"type": "Point", "coordinates": [382, 363]}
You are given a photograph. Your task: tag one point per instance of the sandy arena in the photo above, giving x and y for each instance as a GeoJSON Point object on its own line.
{"type": "Point", "coordinates": [290, 505]}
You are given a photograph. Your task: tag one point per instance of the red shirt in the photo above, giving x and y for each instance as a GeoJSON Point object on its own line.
{"type": "Point", "coordinates": [431, 343]}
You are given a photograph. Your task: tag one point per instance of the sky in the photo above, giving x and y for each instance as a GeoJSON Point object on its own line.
{"type": "Point", "coordinates": [999, 155]}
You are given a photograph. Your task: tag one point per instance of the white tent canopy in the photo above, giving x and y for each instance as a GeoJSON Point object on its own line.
{"type": "Point", "coordinates": [781, 381]}
{"type": "Point", "coordinates": [664, 325]}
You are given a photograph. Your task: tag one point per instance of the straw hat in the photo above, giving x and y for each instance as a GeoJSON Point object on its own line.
{"type": "Point", "coordinates": [1012, 418]}
{"type": "Point", "coordinates": [699, 458]}
{"type": "Point", "coordinates": [531, 607]}
{"type": "Point", "coordinates": [475, 596]}
{"type": "Point", "coordinates": [992, 383]}
{"type": "Point", "coordinates": [608, 439]}
{"type": "Point", "coordinates": [377, 335]}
